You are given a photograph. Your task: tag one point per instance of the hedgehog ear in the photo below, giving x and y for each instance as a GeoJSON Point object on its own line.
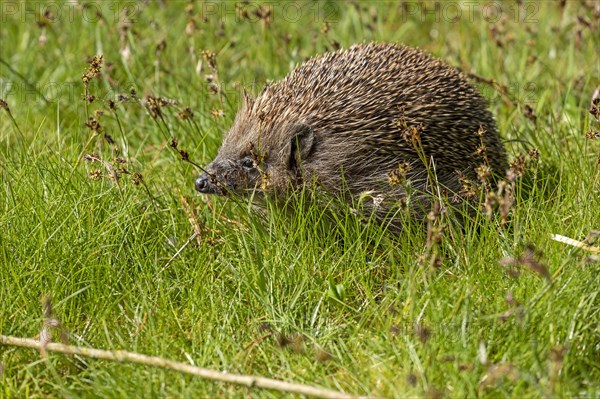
{"type": "Point", "coordinates": [301, 145]}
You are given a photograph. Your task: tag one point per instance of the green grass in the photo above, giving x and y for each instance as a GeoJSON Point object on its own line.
{"type": "Point", "coordinates": [392, 325]}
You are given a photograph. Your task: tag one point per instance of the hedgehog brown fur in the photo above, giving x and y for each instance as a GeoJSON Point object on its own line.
{"type": "Point", "coordinates": [347, 119]}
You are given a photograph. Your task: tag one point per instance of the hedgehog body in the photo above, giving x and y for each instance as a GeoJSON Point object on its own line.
{"type": "Point", "coordinates": [362, 120]}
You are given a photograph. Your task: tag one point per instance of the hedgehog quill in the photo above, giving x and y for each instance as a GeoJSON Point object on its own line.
{"type": "Point", "coordinates": [363, 120]}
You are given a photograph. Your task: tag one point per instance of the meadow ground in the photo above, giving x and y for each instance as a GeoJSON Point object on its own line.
{"type": "Point", "coordinates": [98, 210]}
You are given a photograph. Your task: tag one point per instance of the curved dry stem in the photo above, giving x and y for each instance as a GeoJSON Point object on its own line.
{"type": "Point", "coordinates": [214, 375]}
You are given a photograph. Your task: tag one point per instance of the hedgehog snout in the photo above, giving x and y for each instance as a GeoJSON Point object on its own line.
{"type": "Point", "coordinates": [205, 185]}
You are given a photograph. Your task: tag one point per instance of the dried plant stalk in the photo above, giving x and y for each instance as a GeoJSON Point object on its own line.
{"type": "Point", "coordinates": [575, 243]}
{"type": "Point", "coordinates": [132, 357]}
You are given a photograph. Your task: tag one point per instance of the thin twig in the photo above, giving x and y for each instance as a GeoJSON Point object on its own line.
{"type": "Point", "coordinates": [123, 356]}
{"type": "Point", "coordinates": [575, 243]}
{"type": "Point", "coordinates": [178, 252]}
{"type": "Point", "coordinates": [257, 341]}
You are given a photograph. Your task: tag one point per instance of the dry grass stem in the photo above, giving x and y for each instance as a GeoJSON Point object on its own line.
{"type": "Point", "coordinates": [575, 243]}
{"type": "Point", "coordinates": [214, 375]}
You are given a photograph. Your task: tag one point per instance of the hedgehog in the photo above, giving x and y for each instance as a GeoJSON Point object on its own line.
{"type": "Point", "coordinates": [378, 124]}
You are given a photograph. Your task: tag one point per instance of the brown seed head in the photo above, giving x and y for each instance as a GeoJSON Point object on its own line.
{"type": "Point", "coordinates": [94, 125]}
{"type": "Point", "coordinates": [137, 178]}
{"type": "Point", "coordinates": [4, 105]}
{"type": "Point", "coordinates": [186, 114]}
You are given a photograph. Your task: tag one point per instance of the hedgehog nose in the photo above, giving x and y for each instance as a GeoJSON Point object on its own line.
{"type": "Point", "coordinates": [202, 184]}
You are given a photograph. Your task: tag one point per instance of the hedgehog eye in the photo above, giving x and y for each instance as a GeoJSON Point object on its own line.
{"type": "Point", "coordinates": [248, 163]}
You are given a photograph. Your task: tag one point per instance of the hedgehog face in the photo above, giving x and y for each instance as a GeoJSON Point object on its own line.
{"type": "Point", "coordinates": [249, 163]}
{"type": "Point", "coordinates": [229, 176]}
